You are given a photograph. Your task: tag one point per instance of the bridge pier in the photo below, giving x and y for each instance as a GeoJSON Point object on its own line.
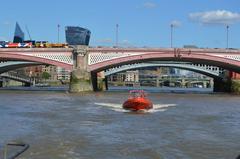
{"type": "Point", "coordinates": [81, 79]}
{"type": "Point", "coordinates": [106, 82]}
{"type": "Point", "coordinates": [27, 84]}
{"type": "Point", "coordinates": [229, 84]}
{"type": "Point", "coordinates": [235, 87]}
{"type": "Point", "coordinates": [99, 81]}
{"type": "Point", "coordinates": [235, 82]}
{"type": "Point", "coordinates": [223, 85]}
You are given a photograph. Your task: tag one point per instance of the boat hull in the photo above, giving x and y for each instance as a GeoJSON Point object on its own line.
{"type": "Point", "coordinates": [136, 104]}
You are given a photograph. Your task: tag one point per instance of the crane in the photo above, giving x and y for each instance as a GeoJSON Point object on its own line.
{"type": "Point", "coordinates": [28, 33]}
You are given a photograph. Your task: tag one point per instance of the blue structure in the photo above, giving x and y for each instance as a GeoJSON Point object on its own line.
{"type": "Point", "coordinates": [18, 35]}
{"type": "Point", "coordinates": [77, 35]}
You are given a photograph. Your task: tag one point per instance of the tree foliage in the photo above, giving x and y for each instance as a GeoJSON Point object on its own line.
{"type": "Point", "coordinates": [46, 75]}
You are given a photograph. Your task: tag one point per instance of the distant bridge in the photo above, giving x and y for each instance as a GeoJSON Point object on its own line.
{"type": "Point", "coordinates": [216, 73]}
{"type": "Point", "coordinates": [12, 65]}
{"type": "Point", "coordinates": [203, 69]}
{"type": "Point", "coordinates": [17, 77]}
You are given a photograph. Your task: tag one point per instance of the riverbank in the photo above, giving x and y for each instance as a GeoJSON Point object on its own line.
{"type": "Point", "coordinates": [118, 89]}
{"type": "Point", "coordinates": [17, 88]}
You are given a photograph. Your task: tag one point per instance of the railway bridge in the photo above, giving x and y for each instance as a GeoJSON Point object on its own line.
{"type": "Point", "coordinates": [85, 62]}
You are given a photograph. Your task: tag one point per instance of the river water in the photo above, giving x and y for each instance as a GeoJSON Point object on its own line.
{"type": "Point", "coordinates": [59, 125]}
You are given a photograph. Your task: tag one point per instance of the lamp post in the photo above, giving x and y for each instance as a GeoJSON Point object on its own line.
{"type": "Point", "coordinates": [117, 35]}
{"type": "Point", "coordinates": [58, 31]}
{"type": "Point", "coordinates": [227, 27]}
{"type": "Point", "coordinates": [171, 38]}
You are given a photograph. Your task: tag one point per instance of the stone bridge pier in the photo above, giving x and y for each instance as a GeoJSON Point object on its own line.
{"type": "Point", "coordinates": [82, 80]}
{"type": "Point", "coordinates": [228, 83]}
{"type": "Point", "coordinates": [222, 85]}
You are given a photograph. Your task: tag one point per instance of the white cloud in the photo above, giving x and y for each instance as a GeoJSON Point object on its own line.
{"type": "Point", "coordinates": [215, 17]}
{"type": "Point", "coordinates": [176, 23]}
{"type": "Point", "coordinates": [149, 5]}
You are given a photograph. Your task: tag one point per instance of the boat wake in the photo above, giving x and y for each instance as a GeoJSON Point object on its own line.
{"type": "Point", "coordinates": [118, 107]}
{"type": "Point", "coordinates": [161, 107]}
{"type": "Point", "coordinates": [112, 106]}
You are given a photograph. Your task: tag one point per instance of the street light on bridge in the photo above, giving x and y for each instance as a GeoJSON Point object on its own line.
{"type": "Point", "coordinates": [58, 26]}
{"type": "Point", "coordinates": [171, 34]}
{"type": "Point", "coordinates": [173, 24]}
{"type": "Point", "coordinates": [117, 35]}
{"type": "Point", "coordinates": [227, 27]}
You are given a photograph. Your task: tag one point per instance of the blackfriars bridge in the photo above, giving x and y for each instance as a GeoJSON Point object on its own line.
{"type": "Point", "coordinates": [85, 62]}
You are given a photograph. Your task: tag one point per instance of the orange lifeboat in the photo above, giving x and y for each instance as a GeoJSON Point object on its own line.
{"type": "Point", "coordinates": [137, 101]}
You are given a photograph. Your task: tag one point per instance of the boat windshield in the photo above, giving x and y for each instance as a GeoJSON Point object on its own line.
{"type": "Point", "coordinates": [137, 93]}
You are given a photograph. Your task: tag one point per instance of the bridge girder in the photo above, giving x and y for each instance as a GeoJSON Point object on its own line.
{"type": "Point", "coordinates": [61, 57]}
{"type": "Point", "coordinates": [189, 67]}
{"type": "Point", "coordinates": [12, 65]}
{"type": "Point", "coordinates": [200, 58]}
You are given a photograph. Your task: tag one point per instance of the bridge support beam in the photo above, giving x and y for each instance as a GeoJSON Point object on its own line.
{"type": "Point", "coordinates": [102, 81]}
{"type": "Point", "coordinates": [106, 82]}
{"type": "Point", "coordinates": [222, 85]}
{"type": "Point", "coordinates": [99, 82]}
{"type": "Point", "coordinates": [81, 79]}
{"type": "Point", "coordinates": [229, 83]}
{"type": "Point", "coordinates": [231, 86]}
{"type": "Point", "coordinates": [27, 84]}
{"type": "Point", "coordinates": [235, 87]}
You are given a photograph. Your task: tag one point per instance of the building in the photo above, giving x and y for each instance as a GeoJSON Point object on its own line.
{"type": "Point", "coordinates": [34, 72]}
{"type": "Point", "coordinates": [63, 74]}
{"type": "Point", "coordinates": [52, 70]}
{"type": "Point", "coordinates": [77, 35]}
{"type": "Point", "coordinates": [132, 76]}
{"type": "Point", "coordinates": [18, 35]}
{"type": "Point", "coordinates": [120, 77]}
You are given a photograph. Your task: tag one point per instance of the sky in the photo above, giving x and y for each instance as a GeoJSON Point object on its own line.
{"type": "Point", "coordinates": [142, 23]}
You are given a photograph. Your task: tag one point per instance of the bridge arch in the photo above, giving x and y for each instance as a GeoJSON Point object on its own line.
{"type": "Point", "coordinates": [12, 65]}
{"type": "Point", "coordinates": [200, 58]}
{"type": "Point", "coordinates": [20, 57]}
{"type": "Point", "coordinates": [189, 67]}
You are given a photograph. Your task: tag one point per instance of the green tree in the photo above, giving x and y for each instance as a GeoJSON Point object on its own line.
{"type": "Point", "coordinates": [46, 75]}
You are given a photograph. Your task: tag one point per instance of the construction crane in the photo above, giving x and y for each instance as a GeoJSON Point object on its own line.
{"type": "Point", "coordinates": [28, 33]}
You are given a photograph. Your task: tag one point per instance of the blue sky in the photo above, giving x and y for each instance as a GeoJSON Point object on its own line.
{"type": "Point", "coordinates": [141, 23]}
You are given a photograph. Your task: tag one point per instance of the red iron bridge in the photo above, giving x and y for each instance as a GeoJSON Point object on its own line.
{"type": "Point", "coordinates": [93, 60]}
